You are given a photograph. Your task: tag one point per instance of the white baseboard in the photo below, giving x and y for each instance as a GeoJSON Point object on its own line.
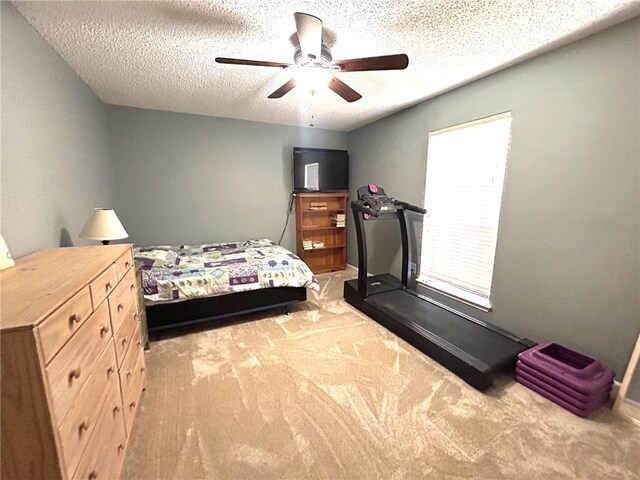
{"type": "Point", "coordinates": [631, 409]}
{"type": "Point", "coordinates": [615, 388]}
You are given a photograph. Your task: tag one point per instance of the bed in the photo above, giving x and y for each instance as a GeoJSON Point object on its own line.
{"type": "Point", "coordinates": [190, 284]}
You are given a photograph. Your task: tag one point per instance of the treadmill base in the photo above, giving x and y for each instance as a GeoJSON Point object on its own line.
{"type": "Point", "coordinates": [471, 349]}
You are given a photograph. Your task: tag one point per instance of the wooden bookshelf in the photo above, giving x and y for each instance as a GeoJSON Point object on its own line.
{"type": "Point", "coordinates": [314, 213]}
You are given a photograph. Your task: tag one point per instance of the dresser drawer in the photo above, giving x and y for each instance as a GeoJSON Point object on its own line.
{"type": "Point", "coordinates": [81, 420]}
{"type": "Point", "coordinates": [72, 366]}
{"type": "Point", "coordinates": [116, 451]}
{"type": "Point", "coordinates": [126, 336]}
{"type": "Point", "coordinates": [122, 296]}
{"type": "Point", "coordinates": [104, 454]}
{"type": "Point", "coordinates": [124, 263]}
{"type": "Point", "coordinates": [61, 324]}
{"type": "Point", "coordinates": [102, 285]}
{"type": "Point", "coordinates": [128, 369]}
{"type": "Point", "coordinates": [132, 400]}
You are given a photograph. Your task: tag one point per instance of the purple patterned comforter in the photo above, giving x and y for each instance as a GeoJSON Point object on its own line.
{"type": "Point", "coordinates": [191, 271]}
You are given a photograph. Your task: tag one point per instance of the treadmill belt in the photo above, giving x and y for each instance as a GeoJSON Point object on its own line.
{"type": "Point", "coordinates": [477, 341]}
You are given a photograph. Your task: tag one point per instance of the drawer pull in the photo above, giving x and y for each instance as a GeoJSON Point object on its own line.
{"type": "Point", "coordinates": [111, 369]}
{"type": "Point", "coordinates": [75, 373]}
{"type": "Point", "coordinates": [84, 426]}
{"type": "Point", "coordinates": [129, 373]}
{"type": "Point", "coordinates": [133, 287]}
{"type": "Point", "coordinates": [135, 316]}
{"type": "Point", "coordinates": [104, 329]}
{"type": "Point", "coordinates": [120, 307]}
{"type": "Point", "coordinates": [74, 318]}
{"type": "Point", "coordinates": [116, 409]}
{"type": "Point", "coordinates": [120, 447]}
{"type": "Point", "coordinates": [132, 405]}
{"type": "Point", "coordinates": [124, 341]}
{"type": "Point", "coordinates": [139, 343]}
{"type": "Point", "coordinates": [93, 475]}
{"type": "Point", "coordinates": [141, 369]}
{"type": "Point", "coordinates": [107, 286]}
{"type": "Point", "coordinates": [127, 264]}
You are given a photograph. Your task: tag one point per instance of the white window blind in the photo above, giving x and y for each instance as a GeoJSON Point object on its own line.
{"type": "Point", "coordinates": [463, 192]}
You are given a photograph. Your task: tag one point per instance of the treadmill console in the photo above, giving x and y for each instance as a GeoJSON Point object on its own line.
{"type": "Point", "coordinates": [374, 202]}
{"type": "Point", "coordinates": [374, 197]}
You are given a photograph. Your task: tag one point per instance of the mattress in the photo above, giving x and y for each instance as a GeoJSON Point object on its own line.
{"type": "Point", "coordinates": [175, 273]}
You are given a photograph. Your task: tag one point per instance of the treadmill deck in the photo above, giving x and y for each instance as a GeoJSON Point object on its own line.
{"type": "Point", "coordinates": [470, 348]}
{"type": "Point", "coordinates": [476, 341]}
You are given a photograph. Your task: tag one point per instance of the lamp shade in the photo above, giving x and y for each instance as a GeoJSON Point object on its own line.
{"type": "Point", "coordinates": [103, 225]}
{"type": "Point", "coordinates": [5, 256]}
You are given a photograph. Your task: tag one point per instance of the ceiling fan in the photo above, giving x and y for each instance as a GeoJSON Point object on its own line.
{"type": "Point", "coordinates": [314, 64]}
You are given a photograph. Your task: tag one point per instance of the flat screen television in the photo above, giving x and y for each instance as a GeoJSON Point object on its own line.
{"type": "Point", "coordinates": [320, 170]}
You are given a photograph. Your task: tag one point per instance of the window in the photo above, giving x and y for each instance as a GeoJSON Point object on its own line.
{"type": "Point", "coordinates": [463, 191]}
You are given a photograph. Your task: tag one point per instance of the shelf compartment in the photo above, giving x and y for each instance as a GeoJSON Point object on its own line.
{"type": "Point", "coordinates": [324, 211]}
{"type": "Point", "coordinates": [326, 247]}
{"type": "Point", "coordinates": [330, 227]}
{"type": "Point", "coordinates": [329, 269]}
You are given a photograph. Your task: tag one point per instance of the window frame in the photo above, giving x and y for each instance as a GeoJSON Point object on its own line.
{"type": "Point", "coordinates": [452, 290]}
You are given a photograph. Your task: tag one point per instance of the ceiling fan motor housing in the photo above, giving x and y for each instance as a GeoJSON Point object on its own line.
{"type": "Point", "coordinates": [306, 61]}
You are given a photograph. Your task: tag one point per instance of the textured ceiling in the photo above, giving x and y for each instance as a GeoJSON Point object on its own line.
{"type": "Point", "coordinates": [160, 55]}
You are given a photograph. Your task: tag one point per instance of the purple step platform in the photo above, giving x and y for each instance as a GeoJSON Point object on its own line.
{"type": "Point", "coordinates": [579, 397]}
{"type": "Point", "coordinates": [544, 388]}
{"type": "Point", "coordinates": [572, 380]}
{"type": "Point", "coordinates": [555, 399]}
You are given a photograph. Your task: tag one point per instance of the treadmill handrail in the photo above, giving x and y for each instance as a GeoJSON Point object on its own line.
{"type": "Point", "coordinates": [409, 206]}
{"type": "Point", "coordinates": [398, 203]}
{"type": "Point", "coordinates": [364, 209]}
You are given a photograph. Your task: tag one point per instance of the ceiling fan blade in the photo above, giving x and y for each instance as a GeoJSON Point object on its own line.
{"type": "Point", "coordinates": [284, 89]}
{"type": "Point", "coordinates": [344, 90]}
{"type": "Point", "coordinates": [309, 34]}
{"type": "Point", "coordinates": [255, 63]}
{"type": "Point", "coordinates": [385, 62]}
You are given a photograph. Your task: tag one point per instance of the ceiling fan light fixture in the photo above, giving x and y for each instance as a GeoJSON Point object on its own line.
{"type": "Point", "coordinates": [312, 78]}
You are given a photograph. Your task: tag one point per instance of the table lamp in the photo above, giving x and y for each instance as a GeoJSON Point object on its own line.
{"type": "Point", "coordinates": [103, 225]}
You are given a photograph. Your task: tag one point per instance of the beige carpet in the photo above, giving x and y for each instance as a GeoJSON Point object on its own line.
{"type": "Point", "coordinates": [325, 392]}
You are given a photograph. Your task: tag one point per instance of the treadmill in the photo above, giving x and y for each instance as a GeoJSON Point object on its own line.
{"type": "Point", "coordinates": [471, 348]}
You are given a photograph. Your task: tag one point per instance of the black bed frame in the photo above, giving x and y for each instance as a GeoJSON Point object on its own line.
{"type": "Point", "coordinates": [163, 316]}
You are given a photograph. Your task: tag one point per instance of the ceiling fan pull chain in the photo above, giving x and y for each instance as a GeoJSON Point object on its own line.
{"type": "Point", "coordinates": [313, 93]}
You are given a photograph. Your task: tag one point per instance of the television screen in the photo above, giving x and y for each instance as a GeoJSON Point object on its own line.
{"type": "Point", "coordinates": [320, 170]}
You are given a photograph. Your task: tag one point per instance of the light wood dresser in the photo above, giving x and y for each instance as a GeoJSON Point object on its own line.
{"type": "Point", "coordinates": [72, 363]}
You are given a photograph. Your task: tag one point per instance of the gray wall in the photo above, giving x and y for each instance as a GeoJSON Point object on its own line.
{"type": "Point", "coordinates": [193, 179]}
{"type": "Point", "coordinates": [56, 159]}
{"type": "Point", "coordinates": [567, 263]}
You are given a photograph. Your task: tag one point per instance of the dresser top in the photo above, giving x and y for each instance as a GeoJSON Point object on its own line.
{"type": "Point", "coordinates": [41, 282]}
